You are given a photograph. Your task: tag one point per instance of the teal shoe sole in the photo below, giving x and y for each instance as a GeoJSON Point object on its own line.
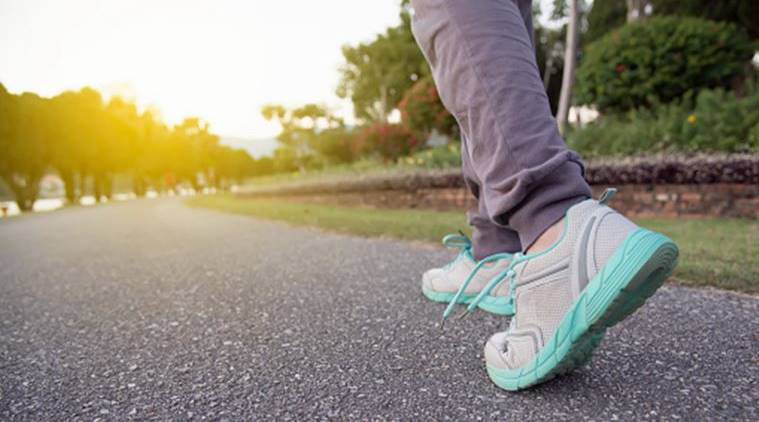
{"type": "Point", "coordinates": [494, 305]}
{"type": "Point", "coordinates": [633, 273]}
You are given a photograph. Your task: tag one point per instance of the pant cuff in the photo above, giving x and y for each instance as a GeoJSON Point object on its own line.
{"type": "Point", "coordinates": [489, 239]}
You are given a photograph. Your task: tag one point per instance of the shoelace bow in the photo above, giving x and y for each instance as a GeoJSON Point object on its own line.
{"type": "Point", "coordinates": [457, 240]}
{"type": "Point", "coordinates": [508, 273]}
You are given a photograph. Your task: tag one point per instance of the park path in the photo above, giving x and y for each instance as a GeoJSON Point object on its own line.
{"type": "Point", "coordinates": [153, 310]}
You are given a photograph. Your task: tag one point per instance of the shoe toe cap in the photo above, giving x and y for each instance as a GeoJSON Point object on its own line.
{"type": "Point", "coordinates": [511, 349]}
{"type": "Point", "coordinates": [495, 351]}
{"type": "Point", "coordinates": [429, 277]}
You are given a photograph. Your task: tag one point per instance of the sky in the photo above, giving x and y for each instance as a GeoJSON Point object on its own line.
{"type": "Point", "coordinates": [220, 60]}
{"type": "Point", "coordinates": [217, 59]}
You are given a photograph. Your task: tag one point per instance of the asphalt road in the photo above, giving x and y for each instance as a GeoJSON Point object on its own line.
{"type": "Point", "coordinates": [153, 310]}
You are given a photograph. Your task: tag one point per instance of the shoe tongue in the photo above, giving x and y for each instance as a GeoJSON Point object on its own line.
{"type": "Point", "coordinates": [578, 211]}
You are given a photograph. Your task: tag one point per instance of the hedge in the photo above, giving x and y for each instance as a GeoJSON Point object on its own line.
{"type": "Point", "coordinates": [698, 169]}
{"type": "Point", "coordinates": [659, 59]}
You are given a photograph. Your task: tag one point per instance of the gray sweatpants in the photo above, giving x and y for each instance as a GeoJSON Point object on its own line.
{"type": "Point", "coordinates": [514, 159]}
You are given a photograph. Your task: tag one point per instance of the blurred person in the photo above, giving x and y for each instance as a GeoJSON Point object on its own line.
{"type": "Point", "coordinates": [564, 265]}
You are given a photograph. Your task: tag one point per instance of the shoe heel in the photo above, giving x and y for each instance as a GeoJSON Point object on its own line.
{"type": "Point", "coordinates": [655, 256]}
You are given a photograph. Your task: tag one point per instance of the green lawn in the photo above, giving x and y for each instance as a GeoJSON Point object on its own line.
{"type": "Point", "coordinates": [714, 252]}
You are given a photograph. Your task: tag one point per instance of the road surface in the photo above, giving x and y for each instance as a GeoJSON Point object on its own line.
{"type": "Point", "coordinates": [152, 310]}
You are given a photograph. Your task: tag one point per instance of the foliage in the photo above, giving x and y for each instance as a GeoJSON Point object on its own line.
{"type": "Point", "coordinates": [712, 120]}
{"type": "Point", "coordinates": [603, 17]}
{"type": "Point", "coordinates": [438, 157]}
{"type": "Point", "coordinates": [422, 110]}
{"type": "Point", "coordinates": [744, 13]}
{"type": "Point", "coordinates": [311, 136]}
{"type": "Point", "coordinates": [549, 51]}
{"type": "Point", "coordinates": [375, 75]}
{"type": "Point", "coordinates": [659, 60]}
{"type": "Point", "coordinates": [388, 141]}
{"type": "Point", "coordinates": [24, 152]}
{"type": "Point", "coordinates": [335, 145]}
{"type": "Point", "coordinates": [285, 161]}
{"type": "Point", "coordinates": [83, 138]}
{"type": "Point", "coordinates": [607, 15]}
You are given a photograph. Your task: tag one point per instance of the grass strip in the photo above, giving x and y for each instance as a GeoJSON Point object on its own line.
{"type": "Point", "coordinates": [716, 252]}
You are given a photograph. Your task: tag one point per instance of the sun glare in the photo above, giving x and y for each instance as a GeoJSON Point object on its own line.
{"type": "Point", "coordinates": [221, 60]}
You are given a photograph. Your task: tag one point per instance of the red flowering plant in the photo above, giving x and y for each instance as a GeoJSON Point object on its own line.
{"type": "Point", "coordinates": [388, 141]}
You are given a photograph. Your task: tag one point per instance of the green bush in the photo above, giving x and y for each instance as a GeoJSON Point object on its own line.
{"type": "Point", "coordinates": [334, 145]}
{"type": "Point", "coordinates": [437, 157]}
{"type": "Point", "coordinates": [658, 60]}
{"type": "Point", "coordinates": [711, 121]}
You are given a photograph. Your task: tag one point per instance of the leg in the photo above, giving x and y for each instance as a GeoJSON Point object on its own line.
{"type": "Point", "coordinates": [484, 66]}
{"type": "Point", "coordinates": [603, 266]}
{"type": "Point", "coordinates": [448, 284]}
{"type": "Point", "coordinates": [488, 238]}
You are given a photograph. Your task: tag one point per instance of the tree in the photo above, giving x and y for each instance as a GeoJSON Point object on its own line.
{"type": "Point", "coordinates": [121, 120]}
{"type": "Point", "coordinates": [377, 74]}
{"type": "Point", "coordinates": [153, 145]}
{"type": "Point", "coordinates": [24, 153]}
{"type": "Point", "coordinates": [194, 146]}
{"type": "Point", "coordinates": [63, 151]}
{"type": "Point", "coordinates": [82, 138]}
{"type": "Point", "coordinates": [570, 63]}
{"type": "Point", "coordinates": [88, 128]}
{"type": "Point", "coordinates": [636, 9]}
{"type": "Point", "coordinates": [607, 15]}
{"type": "Point", "coordinates": [307, 131]}
{"type": "Point", "coordinates": [549, 49]}
{"type": "Point", "coordinates": [744, 13]}
{"type": "Point", "coordinates": [603, 17]}
{"type": "Point", "coordinates": [232, 165]}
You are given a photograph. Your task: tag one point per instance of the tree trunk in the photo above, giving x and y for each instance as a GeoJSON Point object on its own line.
{"type": "Point", "coordinates": [383, 104]}
{"type": "Point", "coordinates": [636, 9]}
{"type": "Point", "coordinates": [108, 187]}
{"type": "Point", "coordinates": [570, 62]}
{"type": "Point", "coordinates": [97, 183]}
{"type": "Point", "coordinates": [138, 185]}
{"type": "Point", "coordinates": [547, 71]}
{"type": "Point", "coordinates": [69, 185]}
{"type": "Point", "coordinates": [25, 191]}
{"type": "Point", "coordinates": [82, 186]}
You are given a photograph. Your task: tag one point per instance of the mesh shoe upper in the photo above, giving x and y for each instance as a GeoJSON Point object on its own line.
{"type": "Point", "coordinates": [547, 283]}
{"type": "Point", "coordinates": [448, 279]}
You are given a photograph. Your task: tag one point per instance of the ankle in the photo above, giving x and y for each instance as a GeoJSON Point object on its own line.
{"type": "Point", "coordinates": [547, 238]}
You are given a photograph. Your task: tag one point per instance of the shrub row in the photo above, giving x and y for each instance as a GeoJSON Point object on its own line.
{"type": "Point", "coordinates": [710, 121]}
{"type": "Point", "coordinates": [699, 169]}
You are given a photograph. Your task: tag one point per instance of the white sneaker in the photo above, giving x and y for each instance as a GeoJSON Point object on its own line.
{"type": "Point", "coordinates": [444, 284]}
{"type": "Point", "coordinates": [601, 270]}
